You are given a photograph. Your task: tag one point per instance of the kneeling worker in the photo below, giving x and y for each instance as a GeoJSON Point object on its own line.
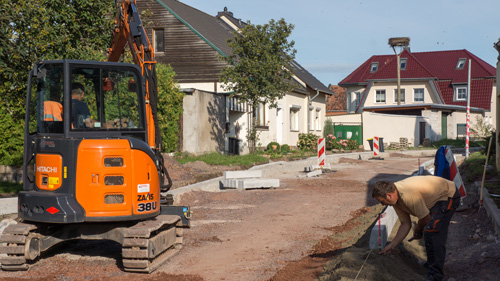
{"type": "Point", "coordinates": [433, 201]}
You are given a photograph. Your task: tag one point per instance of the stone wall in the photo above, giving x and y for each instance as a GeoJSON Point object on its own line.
{"type": "Point", "coordinates": [11, 174]}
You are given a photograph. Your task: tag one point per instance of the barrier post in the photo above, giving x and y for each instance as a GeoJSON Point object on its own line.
{"type": "Point", "coordinates": [321, 152]}
{"type": "Point", "coordinates": [375, 147]}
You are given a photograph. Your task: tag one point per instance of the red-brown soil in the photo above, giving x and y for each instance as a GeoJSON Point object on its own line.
{"type": "Point", "coordinates": [307, 229]}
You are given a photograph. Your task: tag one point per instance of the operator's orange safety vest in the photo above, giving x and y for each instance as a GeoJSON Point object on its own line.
{"type": "Point", "coordinates": [52, 111]}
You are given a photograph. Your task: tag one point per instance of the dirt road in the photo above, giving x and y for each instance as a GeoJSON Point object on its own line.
{"type": "Point", "coordinates": [247, 235]}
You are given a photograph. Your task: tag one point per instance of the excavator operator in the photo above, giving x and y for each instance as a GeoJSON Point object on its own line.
{"type": "Point", "coordinates": [80, 113]}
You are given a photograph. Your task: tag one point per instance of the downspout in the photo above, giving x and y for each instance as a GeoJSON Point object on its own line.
{"type": "Point", "coordinates": [309, 104]}
{"type": "Point", "coordinates": [497, 109]}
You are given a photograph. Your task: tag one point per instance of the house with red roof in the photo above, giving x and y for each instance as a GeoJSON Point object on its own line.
{"type": "Point", "coordinates": [433, 95]}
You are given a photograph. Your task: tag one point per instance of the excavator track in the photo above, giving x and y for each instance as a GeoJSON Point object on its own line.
{"type": "Point", "coordinates": [145, 245]}
{"type": "Point", "coordinates": [18, 245]}
{"type": "Point", "coordinates": [148, 244]}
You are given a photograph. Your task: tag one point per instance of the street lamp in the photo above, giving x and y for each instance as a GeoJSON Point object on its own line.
{"type": "Point", "coordinates": [399, 42]}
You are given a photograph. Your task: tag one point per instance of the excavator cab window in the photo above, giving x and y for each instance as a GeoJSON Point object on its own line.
{"type": "Point", "coordinates": [46, 102]}
{"type": "Point", "coordinates": [100, 97]}
{"type": "Point", "coordinates": [103, 99]}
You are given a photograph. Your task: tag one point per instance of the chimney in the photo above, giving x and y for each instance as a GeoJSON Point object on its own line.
{"type": "Point", "coordinates": [225, 12]}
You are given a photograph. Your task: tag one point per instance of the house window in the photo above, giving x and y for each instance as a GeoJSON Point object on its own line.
{"type": "Point", "coordinates": [294, 117]}
{"type": "Point", "coordinates": [402, 98]}
{"type": "Point", "coordinates": [312, 118]}
{"type": "Point", "coordinates": [348, 101]}
{"type": "Point", "coordinates": [259, 114]}
{"type": "Point", "coordinates": [418, 95]}
{"type": "Point", "coordinates": [461, 129]}
{"type": "Point", "coordinates": [317, 121]}
{"type": "Point", "coordinates": [380, 96]}
{"type": "Point", "coordinates": [374, 67]}
{"type": "Point", "coordinates": [356, 101]}
{"type": "Point", "coordinates": [403, 62]}
{"type": "Point", "coordinates": [461, 63]}
{"type": "Point", "coordinates": [461, 93]}
{"type": "Point", "coordinates": [159, 40]}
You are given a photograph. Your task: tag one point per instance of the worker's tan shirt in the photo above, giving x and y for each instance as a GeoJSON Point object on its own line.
{"type": "Point", "coordinates": [418, 194]}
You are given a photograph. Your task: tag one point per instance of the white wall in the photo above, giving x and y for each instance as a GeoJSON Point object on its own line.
{"type": "Point", "coordinates": [203, 122]}
{"type": "Point", "coordinates": [345, 118]}
{"type": "Point", "coordinates": [391, 127]}
{"type": "Point", "coordinates": [491, 115]}
{"type": "Point", "coordinates": [390, 87]}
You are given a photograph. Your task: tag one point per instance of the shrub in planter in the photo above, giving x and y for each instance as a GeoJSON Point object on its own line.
{"type": "Point", "coordinates": [285, 148]}
{"type": "Point", "coordinates": [273, 146]}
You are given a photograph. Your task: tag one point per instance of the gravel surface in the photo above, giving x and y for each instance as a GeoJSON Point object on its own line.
{"type": "Point", "coordinates": [308, 228]}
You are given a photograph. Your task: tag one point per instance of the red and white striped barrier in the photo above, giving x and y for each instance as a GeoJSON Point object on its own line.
{"type": "Point", "coordinates": [375, 147]}
{"type": "Point", "coordinates": [454, 173]}
{"type": "Point", "coordinates": [321, 152]}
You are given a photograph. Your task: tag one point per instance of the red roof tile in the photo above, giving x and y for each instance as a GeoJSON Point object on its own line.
{"type": "Point", "coordinates": [481, 92]}
{"type": "Point", "coordinates": [337, 101]}
{"type": "Point", "coordinates": [414, 69]}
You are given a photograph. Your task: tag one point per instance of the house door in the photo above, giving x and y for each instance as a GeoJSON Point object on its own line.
{"type": "Point", "coordinates": [421, 132]}
{"type": "Point", "coordinates": [279, 125]}
{"type": "Point", "coordinates": [444, 126]}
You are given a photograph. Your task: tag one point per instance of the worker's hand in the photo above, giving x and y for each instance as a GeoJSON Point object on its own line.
{"type": "Point", "coordinates": [386, 251]}
{"type": "Point", "coordinates": [89, 123]}
{"type": "Point", "coordinates": [416, 236]}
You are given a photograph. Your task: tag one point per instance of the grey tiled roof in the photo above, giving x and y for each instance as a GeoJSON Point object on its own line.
{"type": "Point", "coordinates": [216, 33]}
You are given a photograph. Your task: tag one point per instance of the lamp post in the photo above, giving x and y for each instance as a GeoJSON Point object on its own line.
{"type": "Point", "coordinates": [497, 145]}
{"type": "Point", "coordinates": [399, 42]}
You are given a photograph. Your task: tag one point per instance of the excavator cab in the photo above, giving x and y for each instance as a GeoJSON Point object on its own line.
{"type": "Point", "coordinates": [87, 145]}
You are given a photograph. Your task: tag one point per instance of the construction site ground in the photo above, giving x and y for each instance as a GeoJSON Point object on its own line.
{"type": "Point", "coordinates": [309, 228]}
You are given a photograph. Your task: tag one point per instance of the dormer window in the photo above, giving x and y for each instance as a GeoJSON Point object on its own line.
{"type": "Point", "coordinates": [461, 63]}
{"type": "Point", "coordinates": [460, 93]}
{"type": "Point", "coordinates": [374, 67]}
{"type": "Point", "coordinates": [403, 63]}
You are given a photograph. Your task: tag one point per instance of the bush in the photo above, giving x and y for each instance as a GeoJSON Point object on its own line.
{"type": "Point", "coordinates": [285, 149]}
{"type": "Point", "coordinates": [270, 147]}
{"type": "Point", "coordinates": [493, 150]}
{"type": "Point", "coordinates": [329, 129]}
{"type": "Point", "coordinates": [308, 141]}
{"type": "Point", "coordinates": [333, 143]}
{"type": "Point", "coordinates": [169, 107]}
{"type": "Point", "coordinates": [472, 169]}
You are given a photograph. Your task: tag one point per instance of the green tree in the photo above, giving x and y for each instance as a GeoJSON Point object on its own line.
{"type": "Point", "coordinates": [169, 107]}
{"type": "Point", "coordinates": [33, 30]}
{"type": "Point", "coordinates": [259, 69]}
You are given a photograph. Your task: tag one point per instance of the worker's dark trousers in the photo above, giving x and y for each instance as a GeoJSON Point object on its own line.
{"type": "Point", "coordinates": [435, 234]}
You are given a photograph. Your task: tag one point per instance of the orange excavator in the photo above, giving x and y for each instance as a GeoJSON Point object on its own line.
{"type": "Point", "coordinates": [93, 167]}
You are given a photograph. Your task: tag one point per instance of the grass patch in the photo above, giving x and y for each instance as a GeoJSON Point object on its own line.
{"type": "Point", "coordinates": [493, 188]}
{"type": "Point", "coordinates": [459, 143]}
{"type": "Point", "coordinates": [215, 158]}
{"type": "Point", "coordinates": [472, 169]}
{"type": "Point", "coordinates": [9, 187]}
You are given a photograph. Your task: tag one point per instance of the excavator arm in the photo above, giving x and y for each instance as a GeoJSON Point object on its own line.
{"type": "Point", "coordinates": [129, 30]}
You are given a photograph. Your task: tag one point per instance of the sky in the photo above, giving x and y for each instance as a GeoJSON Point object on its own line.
{"type": "Point", "coordinates": [334, 37]}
